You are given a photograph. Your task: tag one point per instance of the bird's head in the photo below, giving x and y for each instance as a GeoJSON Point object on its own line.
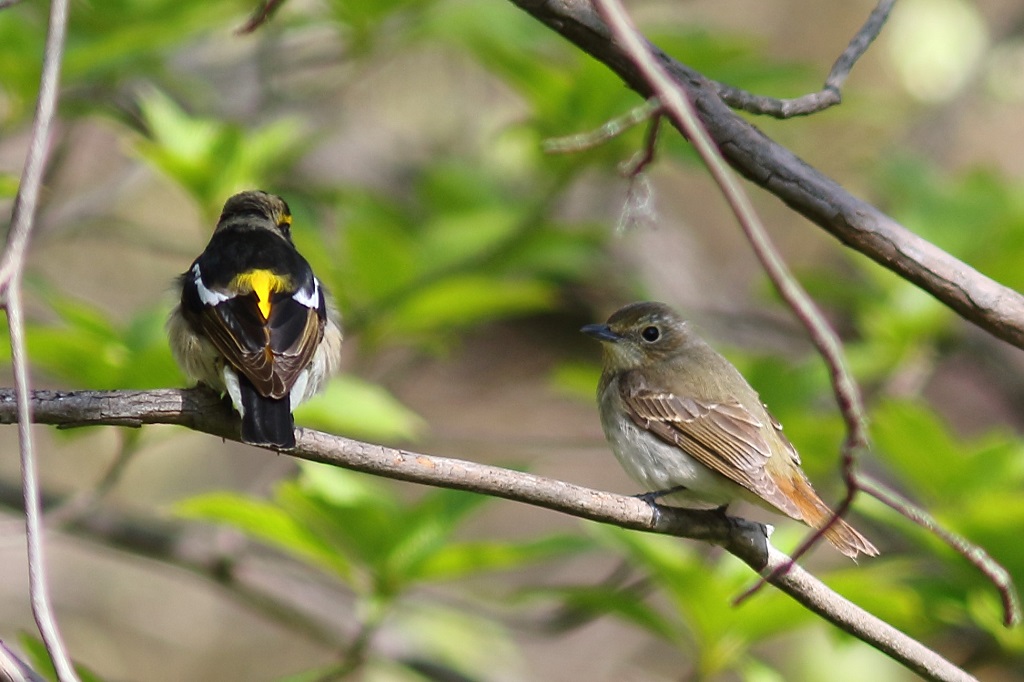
{"type": "Point", "coordinates": [258, 208]}
{"type": "Point", "coordinates": [640, 334]}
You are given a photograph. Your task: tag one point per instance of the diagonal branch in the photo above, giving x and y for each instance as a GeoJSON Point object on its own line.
{"type": "Point", "coordinates": [203, 411]}
{"type": "Point", "coordinates": [988, 304]}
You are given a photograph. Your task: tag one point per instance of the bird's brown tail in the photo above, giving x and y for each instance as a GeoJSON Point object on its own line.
{"type": "Point", "coordinates": [841, 534]}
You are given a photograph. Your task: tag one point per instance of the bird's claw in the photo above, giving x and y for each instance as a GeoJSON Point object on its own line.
{"type": "Point", "coordinates": [652, 497]}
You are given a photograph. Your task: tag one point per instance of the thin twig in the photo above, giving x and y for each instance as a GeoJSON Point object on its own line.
{"type": "Point", "coordinates": [638, 208]}
{"type": "Point", "coordinates": [42, 607]}
{"type": "Point", "coordinates": [11, 268]}
{"type": "Point", "coordinates": [676, 104]}
{"type": "Point", "coordinates": [830, 94]}
{"type": "Point", "coordinates": [579, 142]}
{"type": "Point", "coordinates": [203, 411]}
{"type": "Point", "coordinates": [638, 164]}
{"type": "Point", "coordinates": [859, 44]}
{"type": "Point", "coordinates": [260, 16]}
{"type": "Point", "coordinates": [974, 554]}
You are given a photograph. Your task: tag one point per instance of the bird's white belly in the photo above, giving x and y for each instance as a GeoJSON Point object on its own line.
{"type": "Point", "coordinates": [656, 466]}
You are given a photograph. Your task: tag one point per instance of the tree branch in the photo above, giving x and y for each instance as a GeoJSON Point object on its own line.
{"type": "Point", "coordinates": [201, 410]}
{"type": "Point", "coordinates": [988, 304]}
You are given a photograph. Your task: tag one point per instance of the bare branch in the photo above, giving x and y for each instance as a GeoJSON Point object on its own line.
{"type": "Point", "coordinates": [203, 411]}
{"type": "Point", "coordinates": [990, 305]}
{"type": "Point", "coordinates": [977, 556]}
{"type": "Point", "coordinates": [829, 95]}
{"type": "Point", "coordinates": [11, 268]}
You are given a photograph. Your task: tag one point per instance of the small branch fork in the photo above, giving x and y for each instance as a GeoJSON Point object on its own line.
{"type": "Point", "coordinates": [738, 98]}
{"type": "Point", "coordinates": [830, 94]}
{"type": "Point", "coordinates": [203, 411]}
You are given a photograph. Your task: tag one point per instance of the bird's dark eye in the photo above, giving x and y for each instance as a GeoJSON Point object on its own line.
{"type": "Point", "coordinates": [651, 334]}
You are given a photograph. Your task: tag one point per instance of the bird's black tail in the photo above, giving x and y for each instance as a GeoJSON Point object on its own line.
{"type": "Point", "coordinates": [265, 421]}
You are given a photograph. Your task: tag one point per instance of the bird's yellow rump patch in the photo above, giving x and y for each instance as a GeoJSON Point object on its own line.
{"type": "Point", "coordinates": [261, 282]}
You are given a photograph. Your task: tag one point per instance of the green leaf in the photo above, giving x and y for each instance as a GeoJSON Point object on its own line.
{"type": "Point", "coordinates": [914, 441]}
{"type": "Point", "coordinates": [213, 159]}
{"type": "Point", "coordinates": [595, 601]}
{"type": "Point", "coordinates": [470, 299]}
{"type": "Point", "coordinates": [342, 488]}
{"type": "Point", "coordinates": [701, 592]}
{"type": "Point", "coordinates": [428, 527]}
{"type": "Point", "coordinates": [359, 409]}
{"type": "Point", "coordinates": [352, 514]}
{"type": "Point", "coordinates": [475, 646]}
{"type": "Point", "coordinates": [460, 560]}
{"type": "Point", "coordinates": [9, 183]}
{"type": "Point", "coordinates": [268, 523]}
{"type": "Point", "coordinates": [379, 248]}
{"type": "Point", "coordinates": [456, 238]}
{"type": "Point", "coordinates": [88, 349]}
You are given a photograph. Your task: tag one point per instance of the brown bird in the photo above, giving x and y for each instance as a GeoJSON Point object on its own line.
{"type": "Point", "coordinates": [684, 423]}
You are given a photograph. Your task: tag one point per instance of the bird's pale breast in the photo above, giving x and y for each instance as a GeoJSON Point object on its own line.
{"type": "Point", "coordinates": [655, 464]}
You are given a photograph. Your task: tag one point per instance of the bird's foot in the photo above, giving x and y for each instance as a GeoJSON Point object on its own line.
{"type": "Point", "coordinates": [652, 497]}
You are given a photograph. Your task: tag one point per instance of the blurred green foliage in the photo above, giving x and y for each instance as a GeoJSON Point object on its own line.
{"type": "Point", "coordinates": [356, 530]}
{"type": "Point", "coordinates": [475, 236]}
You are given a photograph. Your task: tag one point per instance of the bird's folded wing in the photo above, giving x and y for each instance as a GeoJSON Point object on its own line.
{"type": "Point", "coordinates": [270, 353]}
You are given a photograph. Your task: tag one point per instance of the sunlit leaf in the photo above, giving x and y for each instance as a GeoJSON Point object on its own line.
{"type": "Point", "coordinates": [470, 299]}
{"type": "Point", "coordinates": [458, 560]}
{"type": "Point", "coordinates": [359, 409]}
{"type": "Point", "coordinates": [267, 523]}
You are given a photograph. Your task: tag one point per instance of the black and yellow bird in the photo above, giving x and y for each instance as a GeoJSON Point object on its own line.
{"type": "Point", "coordinates": [254, 321]}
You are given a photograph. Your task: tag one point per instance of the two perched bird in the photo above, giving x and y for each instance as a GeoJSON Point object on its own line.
{"type": "Point", "coordinates": [254, 322]}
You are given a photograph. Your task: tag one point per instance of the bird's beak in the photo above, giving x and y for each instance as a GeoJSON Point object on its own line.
{"type": "Point", "coordinates": [601, 332]}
